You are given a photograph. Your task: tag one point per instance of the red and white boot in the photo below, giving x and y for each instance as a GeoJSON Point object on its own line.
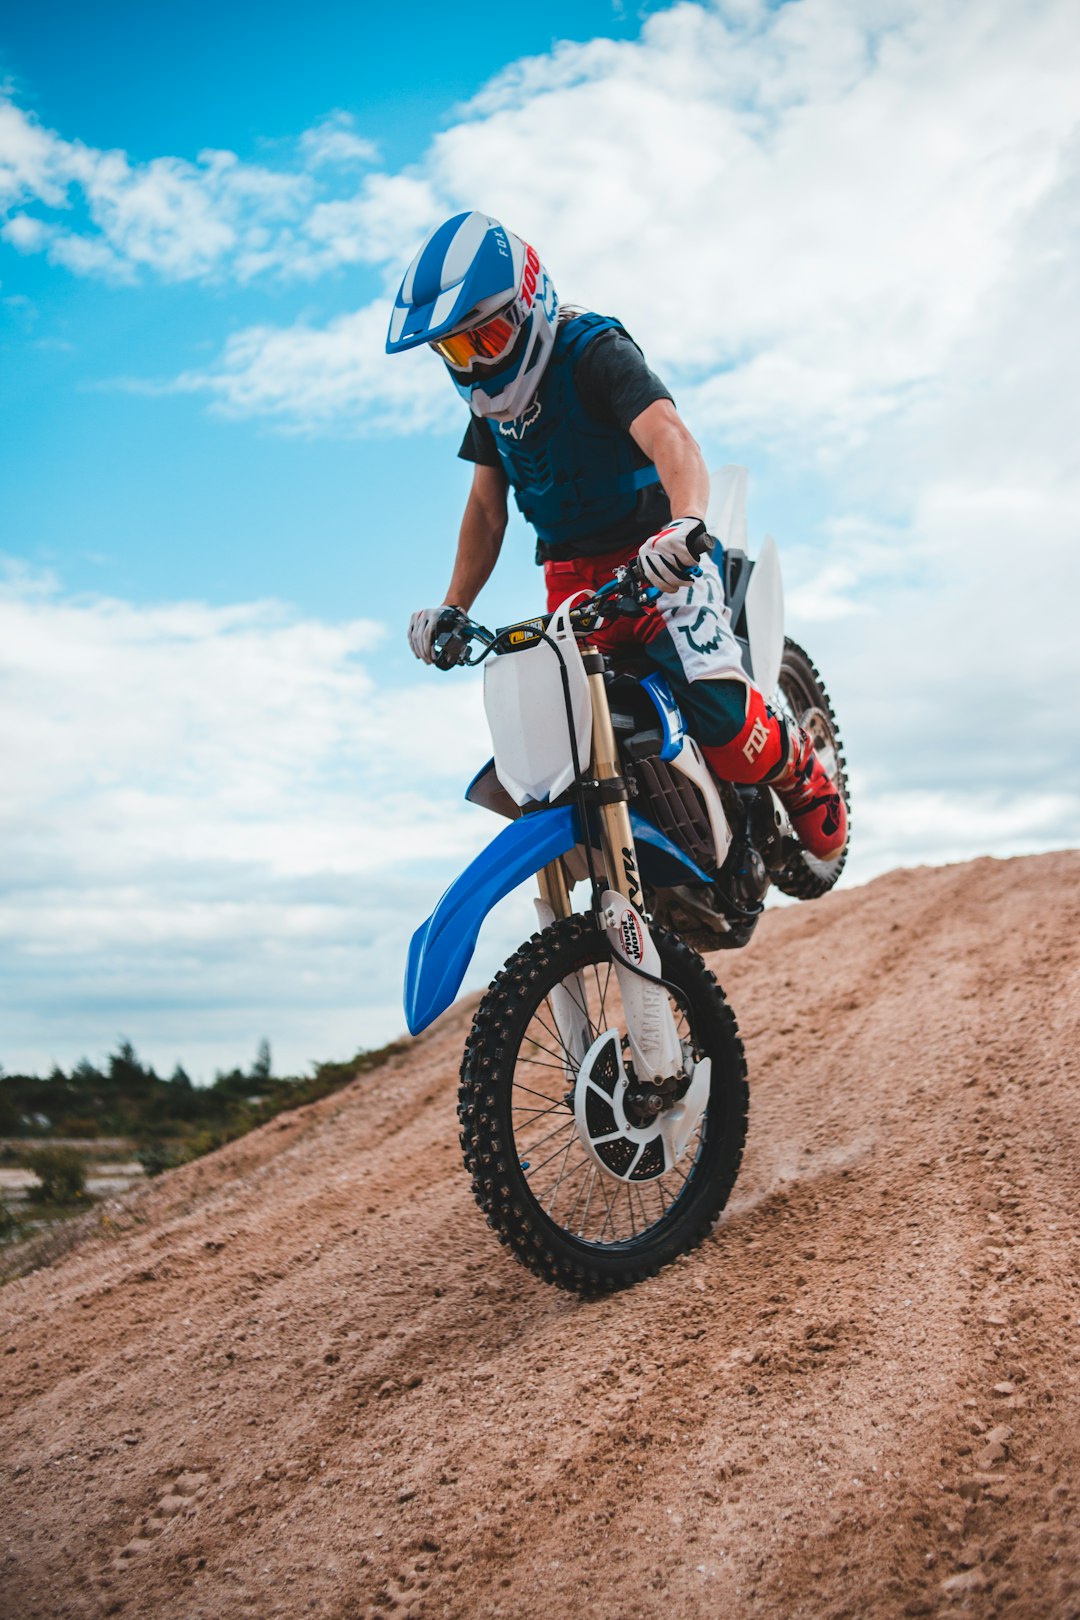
{"type": "Point", "coordinates": [811, 798]}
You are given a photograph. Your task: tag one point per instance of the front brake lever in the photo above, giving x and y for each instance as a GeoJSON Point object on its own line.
{"type": "Point", "coordinates": [634, 595]}
{"type": "Point", "coordinates": [453, 632]}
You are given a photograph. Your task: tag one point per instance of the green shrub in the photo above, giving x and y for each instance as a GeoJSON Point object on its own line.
{"type": "Point", "coordinates": [158, 1156]}
{"type": "Point", "coordinates": [61, 1175]}
{"type": "Point", "coordinates": [209, 1141]}
{"type": "Point", "coordinates": [8, 1224]}
{"type": "Point", "coordinates": [86, 1130]}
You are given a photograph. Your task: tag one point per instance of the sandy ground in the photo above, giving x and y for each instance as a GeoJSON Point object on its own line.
{"type": "Point", "coordinates": [303, 1379]}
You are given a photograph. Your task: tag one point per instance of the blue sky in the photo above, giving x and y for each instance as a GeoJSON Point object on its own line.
{"type": "Point", "coordinates": [158, 500]}
{"type": "Point", "coordinates": [843, 232]}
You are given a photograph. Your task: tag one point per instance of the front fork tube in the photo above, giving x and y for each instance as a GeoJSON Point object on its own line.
{"type": "Point", "coordinates": [554, 893]}
{"type": "Point", "coordinates": [650, 1023]}
{"type": "Point", "coordinates": [567, 999]}
{"type": "Point", "coordinates": [617, 840]}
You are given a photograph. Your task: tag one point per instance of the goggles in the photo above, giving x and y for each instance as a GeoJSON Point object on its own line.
{"type": "Point", "coordinates": [479, 348]}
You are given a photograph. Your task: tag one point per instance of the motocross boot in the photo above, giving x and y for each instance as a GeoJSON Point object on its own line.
{"type": "Point", "coordinates": [811, 798]}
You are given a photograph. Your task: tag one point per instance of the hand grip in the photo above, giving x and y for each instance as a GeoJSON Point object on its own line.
{"type": "Point", "coordinates": [699, 544]}
{"type": "Point", "coordinates": [451, 641]}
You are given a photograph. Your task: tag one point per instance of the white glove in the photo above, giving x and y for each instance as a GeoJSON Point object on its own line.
{"type": "Point", "coordinates": [422, 627]}
{"type": "Point", "coordinates": [665, 557]}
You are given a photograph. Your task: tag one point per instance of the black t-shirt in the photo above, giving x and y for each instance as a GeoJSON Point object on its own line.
{"type": "Point", "coordinates": [615, 385]}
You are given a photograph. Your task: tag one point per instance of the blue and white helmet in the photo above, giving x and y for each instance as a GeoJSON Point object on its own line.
{"type": "Point", "coordinates": [480, 296]}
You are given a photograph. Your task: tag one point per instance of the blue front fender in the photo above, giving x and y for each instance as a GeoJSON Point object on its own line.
{"type": "Point", "coordinates": [442, 947]}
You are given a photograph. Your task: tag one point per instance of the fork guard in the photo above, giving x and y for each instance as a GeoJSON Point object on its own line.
{"type": "Point", "coordinates": [442, 947]}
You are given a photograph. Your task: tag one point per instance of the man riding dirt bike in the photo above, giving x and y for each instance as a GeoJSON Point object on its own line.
{"type": "Point", "coordinates": [603, 1097]}
{"type": "Point", "coordinates": [567, 413]}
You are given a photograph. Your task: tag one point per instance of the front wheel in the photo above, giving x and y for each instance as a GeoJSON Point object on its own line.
{"type": "Point", "coordinates": [543, 1194]}
{"type": "Point", "coordinates": [801, 696]}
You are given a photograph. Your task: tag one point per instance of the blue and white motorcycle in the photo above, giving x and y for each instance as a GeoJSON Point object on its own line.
{"type": "Point", "coordinates": [603, 1101]}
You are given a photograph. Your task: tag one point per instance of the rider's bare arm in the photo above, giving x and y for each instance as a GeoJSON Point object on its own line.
{"type": "Point", "coordinates": [671, 447]}
{"type": "Point", "coordinates": [480, 540]}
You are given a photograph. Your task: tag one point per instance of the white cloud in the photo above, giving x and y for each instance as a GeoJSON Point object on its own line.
{"type": "Point", "coordinates": [381, 224]}
{"type": "Point", "coordinates": [219, 824]}
{"type": "Point", "coordinates": [181, 220]}
{"type": "Point", "coordinates": [214, 813]}
{"type": "Point", "coordinates": [334, 140]}
{"type": "Point", "coordinates": [316, 377]}
{"type": "Point", "coordinates": [801, 210]}
{"type": "Point", "coordinates": [28, 159]}
{"type": "Point", "coordinates": [804, 207]}
{"type": "Point", "coordinates": [25, 233]}
{"type": "Point", "coordinates": [848, 233]}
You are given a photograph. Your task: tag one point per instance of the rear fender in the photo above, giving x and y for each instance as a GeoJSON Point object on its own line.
{"type": "Point", "coordinates": [442, 947]}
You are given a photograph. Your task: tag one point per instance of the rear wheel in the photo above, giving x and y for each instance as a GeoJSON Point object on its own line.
{"type": "Point", "coordinates": [564, 1217]}
{"type": "Point", "coordinates": [801, 696]}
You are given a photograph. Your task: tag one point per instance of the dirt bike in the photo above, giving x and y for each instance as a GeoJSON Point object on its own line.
{"type": "Point", "coordinates": [603, 1098]}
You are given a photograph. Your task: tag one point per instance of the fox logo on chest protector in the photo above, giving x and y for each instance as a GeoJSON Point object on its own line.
{"type": "Point", "coordinates": [518, 428]}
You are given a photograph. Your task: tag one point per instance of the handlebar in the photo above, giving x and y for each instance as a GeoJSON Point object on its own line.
{"type": "Point", "coordinates": [454, 631]}
{"type": "Point", "coordinates": [626, 594]}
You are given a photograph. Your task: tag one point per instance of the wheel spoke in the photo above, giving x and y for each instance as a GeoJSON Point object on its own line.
{"type": "Point", "coordinates": [675, 1171]}
{"type": "Point", "coordinates": [542, 1095]}
{"type": "Point", "coordinates": [607, 1206]}
{"type": "Point", "coordinates": [519, 1090]}
{"type": "Point", "coordinates": [588, 1201]}
{"type": "Point", "coordinates": [556, 1068]}
{"type": "Point", "coordinates": [580, 1005]}
{"type": "Point", "coordinates": [537, 1113]}
{"type": "Point", "coordinates": [540, 1047]}
{"type": "Point", "coordinates": [536, 1168]}
{"type": "Point", "coordinates": [559, 1177]}
{"type": "Point", "coordinates": [554, 1033]}
{"type": "Point", "coordinates": [583, 1186]}
{"type": "Point", "coordinates": [534, 1147]}
{"type": "Point", "coordinates": [603, 995]}
{"type": "Point", "coordinates": [565, 1179]}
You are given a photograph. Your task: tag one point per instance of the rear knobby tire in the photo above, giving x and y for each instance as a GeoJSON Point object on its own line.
{"type": "Point", "coordinates": [801, 696]}
{"type": "Point", "coordinates": [503, 1069]}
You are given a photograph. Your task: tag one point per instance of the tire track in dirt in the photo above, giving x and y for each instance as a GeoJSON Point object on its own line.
{"type": "Point", "coordinates": [303, 1378]}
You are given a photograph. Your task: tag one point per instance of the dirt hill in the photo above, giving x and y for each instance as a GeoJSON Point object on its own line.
{"type": "Point", "coordinates": [303, 1379]}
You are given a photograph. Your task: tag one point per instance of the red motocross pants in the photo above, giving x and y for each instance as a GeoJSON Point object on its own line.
{"type": "Point", "coordinates": [687, 636]}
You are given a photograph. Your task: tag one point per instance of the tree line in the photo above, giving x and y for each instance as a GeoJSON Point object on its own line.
{"type": "Point", "coordinates": [126, 1097]}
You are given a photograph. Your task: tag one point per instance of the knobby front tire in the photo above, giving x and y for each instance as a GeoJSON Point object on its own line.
{"type": "Point", "coordinates": [565, 1219]}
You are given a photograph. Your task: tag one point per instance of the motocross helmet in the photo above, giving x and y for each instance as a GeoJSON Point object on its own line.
{"type": "Point", "coordinates": [480, 296]}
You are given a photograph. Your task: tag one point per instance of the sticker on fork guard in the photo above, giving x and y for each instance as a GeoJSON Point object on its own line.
{"type": "Point", "coordinates": [630, 929]}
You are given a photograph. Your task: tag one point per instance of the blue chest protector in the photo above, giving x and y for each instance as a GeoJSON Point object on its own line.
{"type": "Point", "coordinates": [572, 475]}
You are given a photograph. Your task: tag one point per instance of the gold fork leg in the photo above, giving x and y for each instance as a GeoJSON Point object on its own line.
{"type": "Point", "coordinates": [553, 888]}
{"type": "Point", "coordinates": [615, 833]}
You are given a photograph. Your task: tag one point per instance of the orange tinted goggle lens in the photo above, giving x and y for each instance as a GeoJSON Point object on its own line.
{"type": "Point", "coordinates": [485, 343]}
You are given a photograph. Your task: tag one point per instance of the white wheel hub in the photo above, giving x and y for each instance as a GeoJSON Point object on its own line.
{"type": "Point", "coordinates": [621, 1149]}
